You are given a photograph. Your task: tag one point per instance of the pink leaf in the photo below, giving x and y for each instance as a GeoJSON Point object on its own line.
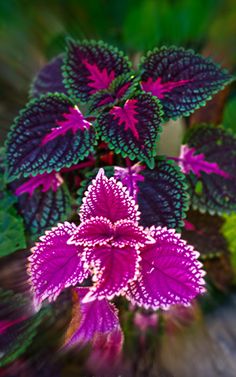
{"type": "Point", "coordinates": [108, 198]}
{"type": "Point", "coordinates": [90, 319]}
{"type": "Point", "coordinates": [113, 268]}
{"type": "Point", "coordinates": [97, 230]}
{"type": "Point", "coordinates": [54, 265]}
{"type": "Point", "coordinates": [169, 272]}
{"type": "Point", "coordinates": [101, 231]}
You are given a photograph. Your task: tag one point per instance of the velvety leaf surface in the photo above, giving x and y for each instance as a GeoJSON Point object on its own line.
{"type": "Point", "coordinates": [169, 272]}
{"type": "Point", "coordinates": [49, 78]}
{"type": "Point", "coordinates": [213, 192]}
{"type": "Point", "coordinates": [182, 80]}
{"type": "Point", "coordinates": [55, 265]}
{"type": "Point", "coordinates": [90, 319]}
{"type": "Point", "coordinates": [47, 136]}
{"type": "Point", "coordinates": [43, 210]}
{"type": "Point", "coordinates": [108, 198]}
{"type": "Point", "coordinates": [91, 66]}
{"type": "Point", "coordinates": [132, 128]}
{"type": "Point", "coordinates": [162, 195]}
{"type": "Point", "coordinates": [114, 267]}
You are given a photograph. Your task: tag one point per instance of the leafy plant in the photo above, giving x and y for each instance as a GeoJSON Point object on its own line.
{"type": "Point", "coordinates": [87, 140]}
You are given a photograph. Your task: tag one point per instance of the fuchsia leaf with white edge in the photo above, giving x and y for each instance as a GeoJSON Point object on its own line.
{"type": "Point", "coordinates": [108, 198]}
{"type": "Point", "coordinates": [169, 272]}
{"type": "Point", "coordinates": [90, 319]}
{"type": "Point", "coordinates": [54, 265]}
{"type": "Point", "coordinates": [113, 268]}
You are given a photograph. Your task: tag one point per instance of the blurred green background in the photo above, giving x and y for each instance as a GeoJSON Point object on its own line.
{"type": "Point", "coordinates": [32, 32]}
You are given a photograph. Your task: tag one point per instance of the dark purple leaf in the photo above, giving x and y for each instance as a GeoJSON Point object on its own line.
{"type": "Point", "coordinates": [90, 319]}
{"type": "Point", "coordinates": [162, 195]}
{"type": "Point", "coordinates": [91, 66]}
{"type": "Point", "coordinates": [213, 192]}
{"type": "Point", "coordinates": [49, 78]}
{"type": "Point", "coordinates": [182, 80]}
{"type": "Point", "coordinates": [43, 210]}
{"type": "Point", "coordinates": [49, 134]}
{"type": "Point", "coordinates": [133, 127]}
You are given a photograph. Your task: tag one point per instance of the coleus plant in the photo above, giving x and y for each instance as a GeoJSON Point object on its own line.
{"type": "Point", "coordinates": [126, 241]}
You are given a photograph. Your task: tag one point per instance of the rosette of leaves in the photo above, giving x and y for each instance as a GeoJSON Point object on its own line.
{"type": "Point", "coordinates": [128, 106]}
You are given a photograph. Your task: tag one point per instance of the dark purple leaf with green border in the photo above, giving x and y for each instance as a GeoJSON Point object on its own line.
{"type": "Point", "coordinates": [133, 127]}
{"type": "Point", "coordinates": [182, 80]}
{"type": "Point", "coordinates": [42, 210]}
{"type": "Point", "coordinates": [213, 193]}
{"type": "Point", "coordinates": [162, 195]}
{"type": "Point", "coordinates": [121, 88]}
{"type": "Point", "coordinates": [49, 78]}
{"type": "Point", "coordinates": [91, 66]}
{"type": "Point", "coordinates": [50, 133]}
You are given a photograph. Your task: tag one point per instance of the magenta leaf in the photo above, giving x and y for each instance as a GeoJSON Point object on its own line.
{"type": "Point", "coordinates": [127, 233]}
{"type": "Point", "coordinates": [113, 268]}
{"type": "Point", "coordinates": [190, 161]}
{"type": "Point", "coordinates": [54, 265]}
{"type": "Point", "coordinates": [95, 231]}
{"type": "Point", "coordinates": [108, 198]}
{"type": "Point", "coordinates": [101, 231]}
{"type": "Point", "coordinates": [49, 78]}
{"type": "Point", "coordinates": [214, 192]}
{"type": "Point", "coordinates": [132, 128]}
{"type": "Point", "coordinates": [91, 66]}
{"type": "Point", "coordinates": [169, 272]}
{"type": "Point", "coordinates": [49, 134]}
{"type": "Point", "coordinates": [182, 80]}
{"type": "Point", "coordinates": [90, 319]}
